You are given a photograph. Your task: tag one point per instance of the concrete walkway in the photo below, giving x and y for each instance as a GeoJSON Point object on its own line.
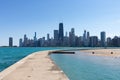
{"type": "Point", "coordinates": [37, 66]}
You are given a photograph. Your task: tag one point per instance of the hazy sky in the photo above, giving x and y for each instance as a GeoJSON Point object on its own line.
{"type": "Point", "coordinates": [19, 17]}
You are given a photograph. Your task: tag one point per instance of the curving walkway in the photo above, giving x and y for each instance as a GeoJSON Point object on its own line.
{"type": "Point", "coordinates": [37, 66]}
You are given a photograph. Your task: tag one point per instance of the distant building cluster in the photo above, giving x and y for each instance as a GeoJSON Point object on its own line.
{"type": "Point", "coordinates": [71, 40]}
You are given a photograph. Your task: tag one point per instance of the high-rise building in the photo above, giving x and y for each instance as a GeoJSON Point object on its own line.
{"type": "Point", "coordinates": [88, 38]}
{"type": "Point", "coordinates": [77, 41]}
{"type": "Point", "coordinates": [88, 35]}
{"type": "Point", "coordinates": [84, 38]}
{"type": "Point", "coordinates": [84, 35]}
{"type": "Point", "coordinates": [39, 42]}
{"type": "Point", "coordinates": [66, 34]}
{"type": "Point", "coordinates": [56, 34]}
{"type": "Point", "coordinates": [20, 43]}
{"type": "Point", "coordinates": [61, 34]}
{"type": "Point", "coordinates": [103, 37]}
{"type": "Point", "coordinates": [10, 42]}
{"type": "Point", "coordinates": [81, 41]}
{"type": "Point", "coordinates": [116, 41]}
{"type": "Point", "coordinates": [93, 41]}
{"type": "Point", "coordinates": [72, 37]}
{"type": "Point", "coordinates": [25, 40]}
{"type": "Point", "coordinates": [56, 37]}
{"type": "Point", "coordinates": [35, 40]}
{"type": "Point", "coordinates": [109, 41]}
{"type": "Point", "coordinates": [35, 37]}
{"type": "Point", "coordinates": [43, 42]}
{"type": "Point", "coordinates": [48, 40]}
{"type": "Point", "coordinates": [66, 41]}
{"type": "Point", "coordinates": [48, 37]}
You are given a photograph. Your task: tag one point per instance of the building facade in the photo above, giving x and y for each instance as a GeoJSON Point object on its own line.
{"type": "Point", "coordinates": [103, 38]}
{"type": "Point", "coordinates": [10, 42]}
{"type": "Point", "coordinates": [61, 34]}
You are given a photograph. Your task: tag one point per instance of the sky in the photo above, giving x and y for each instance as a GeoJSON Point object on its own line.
{"type": "Point", "coordinates": [19, 17]}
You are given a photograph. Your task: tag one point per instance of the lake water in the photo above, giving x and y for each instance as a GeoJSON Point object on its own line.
{"type": "Point", "coordinates": [77, 66]}
{"type": "Point", "coordinates": [81, 66]}
{"type": "Point", "coordinates": [9, 56]}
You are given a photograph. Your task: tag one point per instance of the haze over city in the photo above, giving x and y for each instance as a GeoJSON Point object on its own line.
{"type": "Point", "coordinates": [42, 16]}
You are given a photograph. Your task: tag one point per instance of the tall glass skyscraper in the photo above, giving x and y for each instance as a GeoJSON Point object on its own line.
{"type": "Point", "coordinates": [20, 43]}
{"type": "Point", "coordinates": [72, 37]}
{"type": "Point", "coordinates": [56, 34]}
{"type": "Point", "coordinates": [35, 40]}
{"type": "Point", "coordinates": [61, 33]}
{"type": "Point", "coordinates": [25, 40]}
{"type": "Point", "coordinates": [10, 42]}
{"type": "Point", "coordinates": [48, 37]}
{"type": "Point", "coordinates": [103, 37]}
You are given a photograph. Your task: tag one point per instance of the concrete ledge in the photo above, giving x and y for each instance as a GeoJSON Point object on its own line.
{"type": "Point", "coordinates": [36, 66]}
{"type": "Point", "coordinates": [63, 52]}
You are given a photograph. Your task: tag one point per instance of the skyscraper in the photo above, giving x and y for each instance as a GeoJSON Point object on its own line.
{"type": "Point", "coordinates": [73, 31]}
{"type": "Point", "coordinates": [20, 43]}
{"type": "Point", "coordinates": [66, 39]}
{"type": "Point", "coordinates": [61, 34]}
{"type": "Point", "coordinates": [35, 40]}
{"type": "Point", "coordinates": [48, 40]}
{"type": "Point", "coordinates": [84, 38]}
{"type": "Point", "coordinates": [88, 35]}
{"type": "Point", "coordinates": [72, 37]}
{"type": "Point", "coordinates": [84, 35]}
{"type": "Point", "coordinates": [48, 37]}
{"type": "Point", "coordinates": [25, 40]}
{"type": "Point", "coordinates": [109, 41]}
{"type": "Point", "coordinates": [88, 38]}
{"type": "Point", "coordinates": [10, 42]}
{"type": "Point", "coordinates": [66, 34]}
{"type": "Point", "coordinates": [103, 37]}
{"type": "Point", "coordinates": [43, 42]}
{"type": "Point", "coordinates": [56, 36]}
{"type": "Point", "coordinates": [93, 41]}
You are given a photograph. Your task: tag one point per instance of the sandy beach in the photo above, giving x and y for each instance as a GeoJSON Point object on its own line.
{"type": "Point", "coordinates": [37, 66]}
{"type": "Point", "coordinates": [103, 52]}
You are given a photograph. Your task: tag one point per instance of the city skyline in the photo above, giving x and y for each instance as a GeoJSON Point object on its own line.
{"type": "Point", "coordinates": [70, 40]}
{"type": "Point", "coordinates": [61, 40]}
{"type": "Point", "coordinates": [85, 34]}
{"type": "Point", "coordinates": [27, 16]}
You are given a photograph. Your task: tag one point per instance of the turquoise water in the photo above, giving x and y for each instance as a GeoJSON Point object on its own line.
{"type": "Point", "coordinates": [9, 56]}
{"type": "Point", "coordinates": [77, 66]}
{"type": "Point", "coordinates": [80, 66]}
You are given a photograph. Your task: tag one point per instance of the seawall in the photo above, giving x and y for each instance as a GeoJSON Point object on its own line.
{"type": "Point", "coordinates": [36, 66]}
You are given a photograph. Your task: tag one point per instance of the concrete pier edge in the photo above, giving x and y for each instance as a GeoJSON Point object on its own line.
{"type": "Point", "coordinates": [13, 67]}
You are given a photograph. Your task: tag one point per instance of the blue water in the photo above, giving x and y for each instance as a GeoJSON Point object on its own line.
{"type": "Point", "coordinates": [80, 66]}
{"type": "Point", "coordinates": [9, 56]}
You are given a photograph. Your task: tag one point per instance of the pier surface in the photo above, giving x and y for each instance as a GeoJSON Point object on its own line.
{"type": "Point", "coordinates": [103, 52]}
{"type": "Point", "coordinates": [36, 66]}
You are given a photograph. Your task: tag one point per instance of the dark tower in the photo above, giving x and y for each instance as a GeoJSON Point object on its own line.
{"type": "Point", "coordinates": [35, 40]}
{"type": "Point", "coordinates": [103, 38]}
{"type": "Point", "coordinates": [10, 42]}
{"type": "Point", "coordinates": [61, 34]}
